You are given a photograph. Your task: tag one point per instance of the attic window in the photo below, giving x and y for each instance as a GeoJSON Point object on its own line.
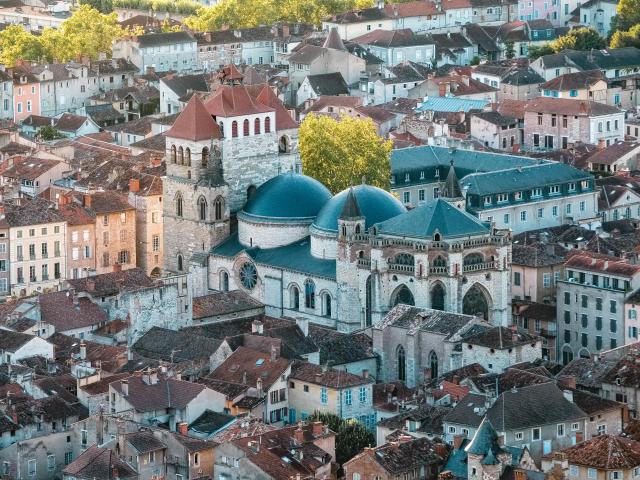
{"type": "Point", "coordinates": [260, 361]}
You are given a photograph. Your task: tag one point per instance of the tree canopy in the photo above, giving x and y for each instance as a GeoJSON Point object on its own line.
{"type": "Point", "coordinates": [351, 436]}
{"type": "Point", "coordinates": [627, 15]}
{"type": "Point", "coordinates": [577, 39]}
{"type": "Point", "coordinates": [629, 38]}
{"type": "Point", "coordinates": [339, 153]}
{"type": "Point", "coordinates": [251, 13]}
{"type": "Point", "coordinates": [85, 32]}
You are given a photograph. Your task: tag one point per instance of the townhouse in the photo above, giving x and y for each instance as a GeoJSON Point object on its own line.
{"type": "Point", "coordinates": [591, 305]}
{"type": "Point", "coordinates": [238, 46]}
{"type": "Point", "coordinates": [176, 51]}
{"type": "Point", "coordinates": [613, 62]}
{"type": "Point", "coordinates": [26, 93]}
{"type": "Point", "coordinates": [33, 175]}
{"type": "Point", "coordinates": [6, 94]}
{"type": "Point", "coordinates": [532, 197]}
{"type": "Point", "coordinates": [37, 235]}
{"type": "Point", "coordinates": [315, 388]}
{"type": "Point", "coordinates": [554, 123]}
{"type": "Point", "coordinates": [395, 46]}
{"type": "Point", "coordinates": [115, 231]}
{"type": "Point", "coordinates": [145, 195]}
{"type": "Point", "coordinates": [597, 14]}
{"type": "Point", "coordinates": [81, 237]}
{"type": "Point", "coordinates": [586, 85]}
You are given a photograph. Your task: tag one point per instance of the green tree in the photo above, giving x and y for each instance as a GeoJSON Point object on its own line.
{"type": "Point", "coordinates": [351, 436]}
{"type": "Point", "coordinates": [628, 15]}
{"type": "Point", "coordinates": [48, 133]}
{"type": "Point", "coordinates": [475, 61]}
{"type": "Point", "coordinates": [18, 44]}
{"type": "Point", "coordinates": [579, 39]}
{"type": "Point", "coordinates": [103, 6]}
{"type": "Point", "coordinates": [538, 51]}
{"type": "Point", "coordinates": [629, 38]}
{"type": "Point", "coordinates": [509, 51]}
{"type": "Point", "coordinates": [339, 153]}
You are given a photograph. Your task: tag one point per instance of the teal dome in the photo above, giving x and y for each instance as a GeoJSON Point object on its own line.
{"type": "Point", "coordinates": [287, 196]}
{"type": "Point", "coordinates": [375, 204]}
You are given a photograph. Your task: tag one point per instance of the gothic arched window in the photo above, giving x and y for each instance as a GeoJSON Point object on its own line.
{"type": "Point", "coordinates": [402, 364]}
{"type": "Point", "coordinates": [180, 263]}
{"type": "Point", "coordinates": [202, 209]}
{"type": "Point", "coordinates": [205, 157]}
{"type": "Point", "coordinates": [267, 125]}
{"type": "Point", "coordinates": [218, 208]}
{"type": "Point", "coordinates": [187, 157]}
{"type": "Point", "coordinates": [310, 294]}
{"type": "Point", "coordinates": [245, 127]}
{"type": "Point", "coordinates": [178, 204]}
{"type": "Point", "coordinates": [433, 364]}
{"type": "Point", "coordinates": [224, 281]}
{"type": "Point", "coordinates": [326, 305]}
{"type": "Point", "coordinates": [256, 127]}
{"type": "Point", "coordinates": [295, 298]}
{"type": "Point", "coordinates": [173, 154]}
{"type": "Point", "coordinates": [234, 129]}
{"type": "Point", "coordinates": [181, 156]}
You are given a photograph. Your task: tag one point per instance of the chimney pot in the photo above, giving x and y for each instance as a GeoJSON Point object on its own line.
{"type": "Point", "coordinates": [183, 428]}
{"type": "Point", "coordinates": [134, 185]}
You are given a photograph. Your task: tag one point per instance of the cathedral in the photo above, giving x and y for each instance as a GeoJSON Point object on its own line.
{"type": "Point", "coordinates": [235, 221]}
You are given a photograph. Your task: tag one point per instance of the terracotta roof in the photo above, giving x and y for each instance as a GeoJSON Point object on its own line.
{"type": "Point", "coordinates": [195, 123]}
{"type": "Point", "coordinates": [12, 341]}
{"type": "Point", "coordinates": [613, 153]}
{"type": "Point", "coordinates": [58, 309]}
{"type": "Point", "coordinates": [97, 462]}
{"type": "Point", "coordinates": [324, 101]}
{"type": "Point", "coordinates": [565, 106]}
{"type": "Point", "coordinates": [109, 202]}
{"type": "Point", "coordinates": [246, 365]}
{"type": "Point", "coordinates": [574, 81]}
{"type": "Point", "coordinates": [102, 386]}
{"type": "Point", "coordinates": [412, 9]}
{"type": "Point", "coordinates": [112, 283]}
{"type": "Point", "coordinates": [501, 338]}
{"type": "Point", "coordinates": [69, 122]}
{"type": "Point", "coordinates": [76, 214]}
{"type": "Point", "coordinates": [29, 168]}
{"type": "Point", "coordinates": [35, 211]}
{"type": "Point", "coordinates": [587, 261]}
{"type": "Point", "coordinates": [511, 108]}
{"type": "Point", "coordinates": [454, 4]}
{"type": "Point", "coordinates": [233, 101]}
{"type": "Point", "coordinates": [334, 41]}
{"type": "Point", "coordinates": [165, 393]}
{"type": "Point", "coordinates": [606, 452]}
{"type": "Point", "coordinates": [221, 303]}
{"type": "Point", "coordinates": [327, 377]}
{"type": "Point", "coordinates": [264, 94]}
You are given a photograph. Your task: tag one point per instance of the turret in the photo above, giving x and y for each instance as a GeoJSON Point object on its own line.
{"type": "Point", "coordinates": [351, 221]}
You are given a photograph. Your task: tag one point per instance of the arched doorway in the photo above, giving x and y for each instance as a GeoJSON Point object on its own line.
{"type": "Point", "coordinates": [475, 302]}
{"type": "Point", "coordinates": [433, 364]}
{"type": "Point", "coordinates": [402, 364]}
{"type": "Point", "coordinates": [155, 273]}
{"type": "Point", "coordinates": [402, 295]}
{"type": "Point", "coordinates": [437, 297]}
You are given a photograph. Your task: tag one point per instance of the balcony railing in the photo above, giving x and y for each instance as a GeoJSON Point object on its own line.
{"type": "Point", "coordinates": [438, 270]}
{"type": "Point", "coordinates": [401, 268]}
{"type": "Point", "coordinates": [364, 263]}
{"type": "Point", "coordinates": [474, 267]}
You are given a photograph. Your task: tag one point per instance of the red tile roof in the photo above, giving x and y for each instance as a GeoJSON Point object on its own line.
{"type": "Point", "coordinates": [164, 393]}
{"type": "Point", "coordinates": [453, 4]}
{"type": "Point", "coordinates": [246, 365]}
{"type": "Point", "coordinates": [606, 452]}
{"type": "Point", "coordinates": [566, 106]}
{"type": "Point", "coordinates": [195, 123]}
{"type": "Point", "coordinates": [412, 9]}
{"type": "Point", "coordinates": [233, 101]}
{"type": "Point", "coordinates": [587, 261]}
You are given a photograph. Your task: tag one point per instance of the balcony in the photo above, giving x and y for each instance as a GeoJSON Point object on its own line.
{"type": "Point", "coordinates": [475, 267]}
{"type": "Point", "coordinates": [438, 271]}
{"type": "Point", "coordinates": [401, 268]}
{"type": "Point", "coordinates": [364, 263]}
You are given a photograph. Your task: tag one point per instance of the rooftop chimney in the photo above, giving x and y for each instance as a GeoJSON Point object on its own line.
{"type": "Point", "coordinates": [91, 284]}
{"type": "Point", "coordinates": [298, 434]}
{"type": "Point", "coordinates": [274, 353]}
{"type": "Point", "coordinates": [568, 394]}
{"type": "Point", "coordinates": [182, 428]}
{"type": "Point", "coordinates": [318, 428]}
{"type": "Point", "coordinates": [83, 350]}
{"type": "Point", "coordinates": [124, 385]}
{"type": "Point", "coordinates": [86, 201]}
{"type": "Point", "coordinates": [134, 185]}
{"type": "Point", "coordinates": [257, 327]}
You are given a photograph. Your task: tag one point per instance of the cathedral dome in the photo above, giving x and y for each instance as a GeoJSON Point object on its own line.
{"type": "Point", "coordinates": [287, 196]}
{"type": "Point", "coordinates": [376, 205]}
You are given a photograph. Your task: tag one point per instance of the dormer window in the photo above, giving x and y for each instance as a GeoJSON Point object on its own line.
{"type": "Point", "coordinates": [407, 177]}
{"type": "Point", "coordinates": [487, 200]}
{"type": "Point", "coordinates": [554, 189]}
{"type": "Point", "coordinates": [584, 184]}
{"type": "Point", "coordinates": [517, 196]}
{"type": "Point", "coordinates": [572, 187]}
{"type": "Point", "coordinates": [502, 197]}
{"type": "Point", "coordinates": [536, 192]}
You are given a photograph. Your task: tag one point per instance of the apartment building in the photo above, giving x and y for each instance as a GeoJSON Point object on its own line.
{"type": "Point", "coordinates": [115, 231]}
{"type": "Point", "coordinates": [37, 234]}
{"type": "Point", "coordinates": [145, 195]}
{"type": "Point", "coordinates": [591, 305]}
{"type": "Point", "coordinates": [81, 237]}
{"type": "Point", "coordinates": [553, 123]}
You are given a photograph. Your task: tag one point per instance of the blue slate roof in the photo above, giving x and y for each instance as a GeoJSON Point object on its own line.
{"type": "Point", "coordinates": [525, 178]}
{"type": "Point", "coordinates": [287, 196]}
{"type": "Point", "coordinates": [428, 160]}
{"type": "Point", "coordinates": [375, 205]}
{"type": "Point", "coordinates": [295, 256]}
{"type": "Point", "coordinates": [457, 463]}
{"type": "Point", "coordinates": [437, 215]}
{"type": "Point", "coordinates": [484, 440]}
{"type": "Point", "coordinates": [450, 104]}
